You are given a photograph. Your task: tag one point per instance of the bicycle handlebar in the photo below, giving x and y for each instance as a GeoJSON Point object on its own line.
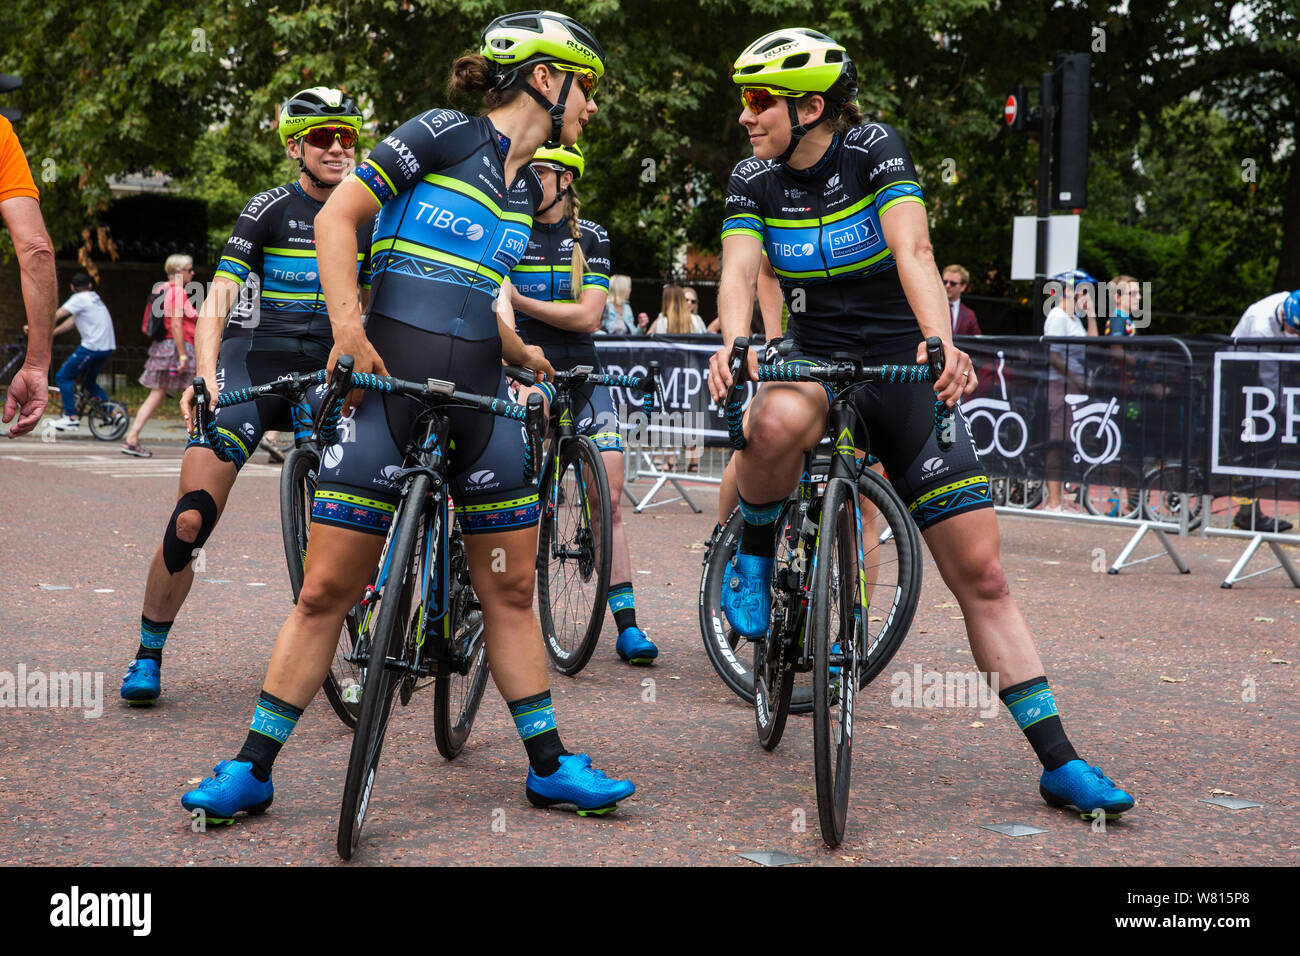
{"type": "Point", "coordinates": [433, 392]}
{"type": "Point", "coordinates": [835, 373]}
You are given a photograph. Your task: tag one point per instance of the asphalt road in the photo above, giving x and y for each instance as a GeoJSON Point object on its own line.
{"type": "Point", "coordinates": [1181, 690]}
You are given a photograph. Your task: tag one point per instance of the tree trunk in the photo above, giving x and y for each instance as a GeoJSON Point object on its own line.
{"type": "Point", "coordinates": [1288, 259]}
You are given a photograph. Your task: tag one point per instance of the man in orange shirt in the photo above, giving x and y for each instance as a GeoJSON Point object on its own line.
{"type": "Point", "coordinates": [21, 211]}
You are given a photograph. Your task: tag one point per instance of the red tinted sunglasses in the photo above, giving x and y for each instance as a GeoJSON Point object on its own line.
{"type": "Point", "coordinates": [322, 137]}
{"type": "Point", "coordinates": [757, 98]}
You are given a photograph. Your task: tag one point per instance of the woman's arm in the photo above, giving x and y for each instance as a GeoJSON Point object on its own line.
{"type": "Point", "coordinates": [581, 316]}
{"type": "Point", "coordinates": [349, 207]}
{"type": "Point", "coordinates": [176, 325]}
{"type": "Point", "coordinates": [908, 236]}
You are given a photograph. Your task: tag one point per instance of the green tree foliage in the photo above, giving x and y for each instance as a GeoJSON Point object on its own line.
{"type": "Point", "coordinates": [1183, 94]}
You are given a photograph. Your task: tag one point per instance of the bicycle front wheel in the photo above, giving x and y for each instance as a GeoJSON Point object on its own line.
{"type": "Point", "coordinates": [1120, 500]}
{"type": "Point", "coordinates": [108, 420]}
{"type": "Point", "coordinates": [297, 489]}
{"type": "Point", "coordinates": [834, 628]}
{"type": "Point", "coordinates": [387, 662]}
{"type": "Point", "coordinates": [573, 553]}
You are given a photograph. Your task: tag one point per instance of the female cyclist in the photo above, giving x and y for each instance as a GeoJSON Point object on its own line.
{"type": "Point", "coordinates": [278, 324]}
{"type": "Point", "coordinates": [566, 253]}
{"type": "Point", "coordinates": [836, 204]}
{"type": "Point", "coordinates": [455, 198]}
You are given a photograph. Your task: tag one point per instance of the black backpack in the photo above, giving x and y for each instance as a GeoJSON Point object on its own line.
{"type": "Point", "coordinates": [155, 318]}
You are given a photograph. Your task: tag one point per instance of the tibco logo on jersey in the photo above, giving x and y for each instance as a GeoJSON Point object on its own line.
{"type": "Point", "coordinates": [75, 909]}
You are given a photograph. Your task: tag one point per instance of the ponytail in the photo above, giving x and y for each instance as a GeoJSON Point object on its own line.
{"type": "Point", "coordinates": [847, 118]}
{"type": "Point", "coordinates": [579, 267]}
{"type": "Point", "coordinates": [474, 74]}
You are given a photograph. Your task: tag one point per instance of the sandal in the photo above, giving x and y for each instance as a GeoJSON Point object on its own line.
{"type": "Point", "coordinates": [136, 450]}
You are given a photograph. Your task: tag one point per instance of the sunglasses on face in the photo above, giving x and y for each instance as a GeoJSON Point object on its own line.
{"type": "Point", "coordinates": [322, 137]}
{"type": "Point", "coordinates": [759, 98]}
{"type": "Point", "coordinates": [586, 78]}
{"type": "Point", "coordinates": [951, 282]}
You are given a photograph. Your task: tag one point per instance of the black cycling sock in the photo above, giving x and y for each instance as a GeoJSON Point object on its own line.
{"type": "Point", "coordinates": [535, 720]}
{"type": "Point", "coordinates": [153, 635]}
{"type": "Point", "coordinates": [273, 721]}
{"type": "Point", "coordinates": [1032, 705]}
{"type": "Point", "coordinates": [623, 604]}
{"type": "Point", "coordinates": [758, 538]}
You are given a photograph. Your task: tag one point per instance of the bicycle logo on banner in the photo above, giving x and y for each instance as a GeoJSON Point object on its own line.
{"type": "Point", "coordinates": [1094, 432]}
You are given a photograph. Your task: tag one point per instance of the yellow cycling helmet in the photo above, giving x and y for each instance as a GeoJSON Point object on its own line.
{"type": "Point", "coordinates": [318, 106]}
{"type": "Point", "coordinates": [570, 157]}
{"type": "Point", "coordinates": [796, 62]}
{"type": "Point", "coordinates": [518, 40]}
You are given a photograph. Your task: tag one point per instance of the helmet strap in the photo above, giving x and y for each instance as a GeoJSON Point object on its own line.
{"type": "Point", "coordinates": [556, 109]}
{"type": "Point", "coordinates": [302, 167]}
{"type": "Point", "coordinates": [799, 130]}
{"type": "Point", "coordinates": [559, 195]}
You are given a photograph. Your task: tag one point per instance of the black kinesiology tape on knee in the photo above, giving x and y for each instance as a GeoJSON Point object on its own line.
{"type": "Point", "coordinates": [177, 553]}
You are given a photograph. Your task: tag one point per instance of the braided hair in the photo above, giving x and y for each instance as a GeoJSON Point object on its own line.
{"type": "Point", "coordinates": [572, 205]}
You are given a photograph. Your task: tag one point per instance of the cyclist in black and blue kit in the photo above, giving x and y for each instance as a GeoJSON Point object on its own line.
{"type": "Point", "coordinates": [452, 198]}
{"type": "Point", "coordinates": [836, 204]}
{"type": "Point", "coordinates": [267, 294]}
{"type": "Point", "coordinates": [565, 253]}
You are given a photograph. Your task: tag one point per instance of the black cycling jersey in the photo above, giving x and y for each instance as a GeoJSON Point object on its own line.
{"type": "Point", "coordinates": [271, 254]}
{"type": "Point", "coordinates": [821, 231]}
{"type": "Point", "coordinates": [448, 233]}
{"type": "Point", "coordinates": [545, 273]}
{"type": "Point", "coordinates": [450, 230]}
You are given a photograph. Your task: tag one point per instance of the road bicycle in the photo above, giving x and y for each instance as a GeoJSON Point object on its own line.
{"type": "Point", "coordinates": [297, 490]}
{"type": "Point", "coordinates": [421, 619]}
{"type": "Point", "coordinates": [574, 536]}
{"type": "Point", "coordinates": [892, 560]}
{"type": "Point", "coordinates": [821, 608]}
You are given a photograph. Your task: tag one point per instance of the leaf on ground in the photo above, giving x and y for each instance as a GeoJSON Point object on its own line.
{"type": "Point", "coordinates": [1278, 660]}
{"type": "Point", "coordinates": [956, 617]}
{"type": "Point", "coordinates": [1051, 562]}
{"type": "Point", "coordinates": [1265, 620]}
{"type": "Point", "coordinates": [976, 724]}
{"type": "Point", "coordinates": [696, 546]}
{"type": "Point", "coordinates": [1173, 680]}
{"type": "Point", "coordinates": [889, 726]}
{"type": "Point", "coordinates": [1221, 793]}
{"type": "Point", "coordinates": [946, 604]}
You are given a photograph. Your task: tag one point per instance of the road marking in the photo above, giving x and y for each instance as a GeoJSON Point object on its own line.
{"type": "Point", "coordinates": [111, 466]}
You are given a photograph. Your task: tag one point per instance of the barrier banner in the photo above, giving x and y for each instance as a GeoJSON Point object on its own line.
{"type": "Point", "coordinates": [686, 416]}
{"type": "Point", "coordinates": [1256, 411]}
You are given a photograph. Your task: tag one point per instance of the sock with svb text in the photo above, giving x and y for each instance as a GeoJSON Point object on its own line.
{"type": "Point", "coordinates": [153, 635]}
{"type": "Point", "coordinates": [757, 537]}
{"type": "Point", "coordinates": [623, 605]}
{"type": "Point", "coordinates": [1032, 705]}
{"type": "Point", "coordinates": [535, 720]}
{"type": "Point", "coordinates": [273, 721]}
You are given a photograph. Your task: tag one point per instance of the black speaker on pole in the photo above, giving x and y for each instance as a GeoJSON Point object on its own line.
{"type": "Point", "coordinates": [1070, 139]}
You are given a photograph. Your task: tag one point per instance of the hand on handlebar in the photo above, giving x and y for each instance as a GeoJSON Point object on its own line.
{"type": "Point", "coordinates": [720, 371]}
{"type": "Point", "coordinates": [958, 379]}
{"type": "Point", "coordinates": [364, 359]}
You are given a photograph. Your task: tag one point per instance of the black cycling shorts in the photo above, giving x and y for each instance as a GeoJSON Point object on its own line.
{"type": "Point", "coordinates": [593, 405]}
{"type": "Point", "coordinates": [355, 488]}
{"type": "Point", "coordinates": [899, 420]}
{"type": "Point", "coordinates": [246, 361]}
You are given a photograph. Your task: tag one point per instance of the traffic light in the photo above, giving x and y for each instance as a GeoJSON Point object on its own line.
{"type": "Point", "coordinates": [1070, 132]}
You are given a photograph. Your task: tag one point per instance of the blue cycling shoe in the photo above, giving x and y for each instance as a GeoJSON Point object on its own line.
{"type": "Point", "coordinates": [143, 683]}
{"type": "Point", "coordinates": [234, 788]}
{"type": "Point", "coordinates": [635, 648]}
{"type": "Point", "coordinates": [1083, 787]}
{"type": "Point", "coordinates": [747, 594]}
{"type": "Point", "coordinates": [579, 785]}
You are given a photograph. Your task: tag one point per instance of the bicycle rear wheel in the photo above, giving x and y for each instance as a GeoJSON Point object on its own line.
{"type": "Point", "coordinates": [457, 694]}
{"type": "Point", "coordinates": [1120, 498]}
{"type": "Point", "coordinates": [109, 420]}
{"type": "Point", "coordinates": [1160, 496]}
{"type": "Point", "coordinates": [387, 655]}
{"type": "Point", "coordinates": [297, 489]}
{"type": "Point", "coordinates": [573, 554]}
{"type": "Point", "coordinates": [834, 630]}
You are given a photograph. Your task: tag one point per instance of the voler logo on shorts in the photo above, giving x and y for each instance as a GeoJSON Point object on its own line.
{"type": "Point", "coordinates": [332, 456]}
{"type": "Point", "coordinates": [248, 430]}
{"type": "Point", "coordinates": [933, 466]}
{"type": "Point", "coordinates": [388, 477]}
{"type": "Point", "coordinates": [482, 480]}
